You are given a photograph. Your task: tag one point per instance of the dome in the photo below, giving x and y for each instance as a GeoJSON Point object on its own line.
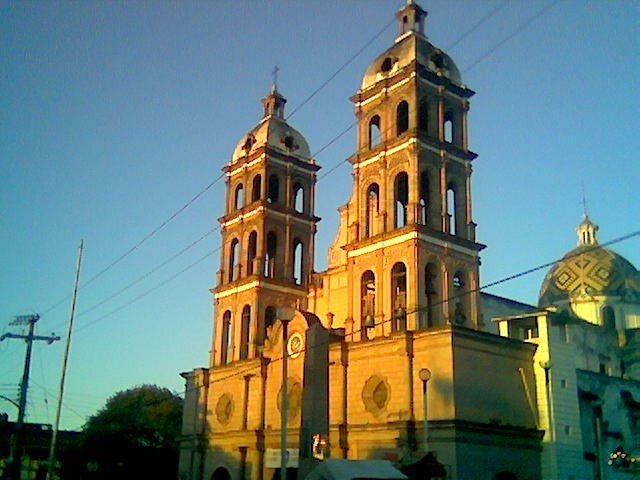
{"type": "Point", "coordinates": [589, 270]}
{"type": "Point", "coordinates": [412, 45]}
{"type": "Point", "coordinates": [273, 132]}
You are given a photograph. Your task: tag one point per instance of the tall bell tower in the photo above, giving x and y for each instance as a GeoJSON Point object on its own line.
{"type": "Point", "coordinates": [267, 232]}
{"type": "Point", "coordinates": [411, 252]}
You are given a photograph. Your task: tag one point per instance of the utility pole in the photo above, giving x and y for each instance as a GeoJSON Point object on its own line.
{"type": "Point", "coordinates": [15, 466]}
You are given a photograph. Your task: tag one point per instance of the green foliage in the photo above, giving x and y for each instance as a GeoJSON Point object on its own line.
{"type": "Point", "coordinates": [144, 417]}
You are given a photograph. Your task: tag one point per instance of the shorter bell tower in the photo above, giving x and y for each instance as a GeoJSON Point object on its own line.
{"type": "Point", "coordinates": [268, 232]}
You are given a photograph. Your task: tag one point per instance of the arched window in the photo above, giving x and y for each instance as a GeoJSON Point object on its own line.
{"type": "Point", "coordinates": [423, 116]}
{"type": "Point", "coordinates": [402, 118]}
{"type": "Point", "coordinates": [431, 293]}
{"type": "Point", "coordinates": [274, 189]}
{"type": "Point", "coordinates": [298, 262]}
{"type": "Point", "coordinates": [608, 317]}
{"type": "Point", "coordinates": [368, 300]}
{"type": "Point", "coordinates": [298, 198]}
{"type": "Point", "coordinates": [238, 199]}
{"type": "Point", "coordinates": [256, 188]}
{"type": "Point", "coordinates": [270, 257]}
{"type": "Point", "coordinates": [252, 252]}
{"type": "Point", "coordinates": [448, 127]}
{"type": "Point", "coordinates": [401, 199]}
{"type": "Point", "coordinates": [245, 331]}
{"type": "Point", "coordinates": [234, 260]}
{"type": "Point", "coordinates": [227, 339]}
{"type": "Point", "coordinates": [399, 297]}
{"type": "Point", "coordinates": [221, 473]}
{"type": "Point", "coordinates": [452, 209]}
{"type": "Point", "coordinates": [374, 131]}
{"type": "Point", "coordinates": [424, 198]}
{"type": "Point", "coordinates": [269, 316]}
{"type": "Point", "coordinates": [372, 208]}
{"type": "Point", "coordinates": [459, 295]}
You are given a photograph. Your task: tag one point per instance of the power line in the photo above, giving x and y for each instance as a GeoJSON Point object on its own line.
{"type": "Point", "coordinates": [148, 292]}
{"type": "Point", "coordinates": [342, 67]}
{"type": "Point", "coordinates": [143, 240]}
{"type": "Point", "coordinates": [519, 29]}
{"type": "Point", "coordinates": [476, 25]}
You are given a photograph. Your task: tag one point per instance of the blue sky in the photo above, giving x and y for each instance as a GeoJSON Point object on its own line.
{"type": "Point", "coordinates": [115, 114]}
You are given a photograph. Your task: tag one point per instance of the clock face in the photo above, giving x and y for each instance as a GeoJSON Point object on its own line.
{"type": "Point", "coordinates": [295, 345]}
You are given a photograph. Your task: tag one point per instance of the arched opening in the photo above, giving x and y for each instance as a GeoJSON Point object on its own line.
{"type": "Point", "coordinates": [451, 209]}
{"type": "Point", "coordinates": [245, 331]}
{"type": "Point", "coordinates": [273, 194]}
{"type": "Point", "coordinates": [374, 131]}
{"type": "Point", "coordinates": [459, 298]}
{"type": "Point", "coordinates": [298, 262]}
{"type": "Point", "coordinates": [431, 294]}
{"type": "Point", "coordinates": [402, 118]}
{"type": "Point", "coordinates": [238, 199]}
{"type": "Point", "coordinates": [298, 198]}
{"type": "Point", "coordinates": [227, 338]}
{"type": "Point", "coordinates": [234, 260]}
{"type": "Point", "coordinates": [367, 301]}
{"type": "Point", "coordinates": [256, 188]}
{"type": "Point", "coordinates": [423, 116]}
{"type": "Point", "coordinates": [399, 297]}
{"type": "Point", "coordinates": [504, 475]}
{"type": "Point", "coordinates": [270, 257]}
{"type": "Point", "coordinates": [269, 316]}
{"type": "Point", "coordinates": [401, 199]}
{"type": "Point", "coordinates": [423, 203]}
{"type": "Point", "coordinates": [221, 474]}
{"type": "Point", "coordinates": [372, 207]}
{"type": "Point", "coordinates": [608, 317]}
{"type": "Point", "coordinates": [448, 127]}
{"type": "Point", "coordinates": [252, 252]}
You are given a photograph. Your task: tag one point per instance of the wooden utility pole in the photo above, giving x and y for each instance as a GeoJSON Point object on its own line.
{"type": "Point", "coordinates": [56, 427]}
{"type": "Point", "coordinates": [17, 437]}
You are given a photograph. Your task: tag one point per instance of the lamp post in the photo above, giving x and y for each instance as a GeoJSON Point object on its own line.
{"type": "Point", "coordinates": [425, 376]}
{"type": "Point", "coordinates": [285, 314]}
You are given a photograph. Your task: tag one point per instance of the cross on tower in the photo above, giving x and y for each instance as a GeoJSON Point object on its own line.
{"type": "Point", "coordinates": [275, 76]}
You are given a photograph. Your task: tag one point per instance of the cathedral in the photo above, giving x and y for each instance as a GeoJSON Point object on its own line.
{"type": "Point", "coordinates": [391, 353]}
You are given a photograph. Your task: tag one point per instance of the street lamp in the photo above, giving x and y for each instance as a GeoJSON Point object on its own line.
{"type": "Point", "coordinates": [285, 314]}
{"type": "Point", "coordinates": [425, 376]}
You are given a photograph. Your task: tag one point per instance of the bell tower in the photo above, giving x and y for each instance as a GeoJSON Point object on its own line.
{"type": "Point", "coordinates": [412, 254]}
{"type": "Point", "coordinates": [267, 232]}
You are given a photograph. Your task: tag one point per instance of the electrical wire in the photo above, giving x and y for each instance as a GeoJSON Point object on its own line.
{"type": "Point", "coordinates": [141, 241]}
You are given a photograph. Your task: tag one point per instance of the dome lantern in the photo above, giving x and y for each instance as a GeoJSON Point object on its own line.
{"type": "Point", "coordinates": [587, 232]}
{"type": "Point", "coordinates": [411, 18]}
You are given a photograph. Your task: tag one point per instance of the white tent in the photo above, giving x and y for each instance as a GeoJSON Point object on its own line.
{"type": "Point", "coordinates": [339, 469]}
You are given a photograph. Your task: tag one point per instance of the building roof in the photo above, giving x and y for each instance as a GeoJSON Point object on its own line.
{"type": "Point", "coordinates": [333, 468]}
{"type": "Point", "coordinates": [409, 47]}
{"type": "Point", "coordinates": [589, 270]}
{"type": "Point", "coordinates": [273, 132]}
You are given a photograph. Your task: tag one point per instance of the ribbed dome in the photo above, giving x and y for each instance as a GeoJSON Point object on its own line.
{"type": "Point", "coordinates": [589, 270]}
{"type": "Point", "coordinates": [412, 45]}
{"type": "Point", "coordinates": [273, 132]}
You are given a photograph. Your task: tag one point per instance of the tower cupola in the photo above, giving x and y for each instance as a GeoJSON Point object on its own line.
{"type": "Point", "coordinates": [411, 18]}
{"type": "Point", "coordinates": [274, 103]}
{"type": "Point", "coordinates": [587, 232]}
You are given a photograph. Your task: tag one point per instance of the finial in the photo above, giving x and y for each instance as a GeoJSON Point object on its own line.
{"type": "Point", "coordinates": [274, 72]}
{"type": "Point", "coordinates": [584, 202]}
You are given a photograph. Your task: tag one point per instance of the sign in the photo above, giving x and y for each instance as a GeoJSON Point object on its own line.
{"type": "Point", "coordinates": [272, 457]}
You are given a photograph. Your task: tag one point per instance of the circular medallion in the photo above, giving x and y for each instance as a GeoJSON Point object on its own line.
{"type": "Point", "coordinates": [295, 345]}
{"type": "Point", "coordinates": [224, 408]}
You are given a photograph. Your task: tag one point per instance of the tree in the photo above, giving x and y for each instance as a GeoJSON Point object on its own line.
{"type": "Point", "coordinates": [135, 435]}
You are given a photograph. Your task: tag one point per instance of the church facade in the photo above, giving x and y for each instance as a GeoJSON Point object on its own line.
{"type": "Point", "coordinates": [385, 355]}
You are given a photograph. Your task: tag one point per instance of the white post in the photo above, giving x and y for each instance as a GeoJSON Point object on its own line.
{"type": "Point", "coordinates": [425, 376]}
